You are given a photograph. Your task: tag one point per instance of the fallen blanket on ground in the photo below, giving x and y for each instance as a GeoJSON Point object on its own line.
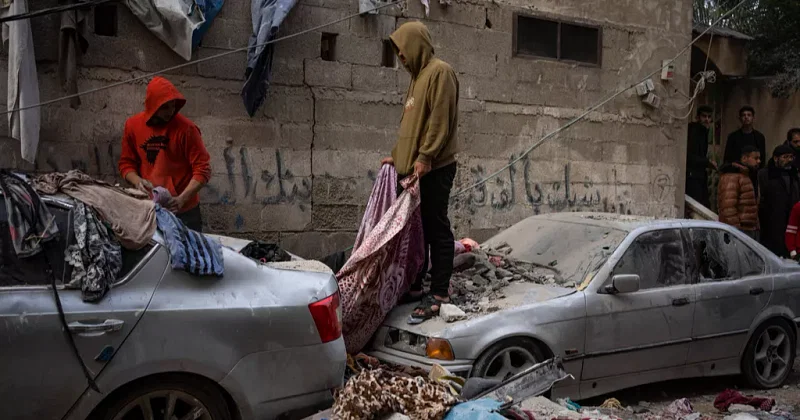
{"type": "Point", "coordinates": [387, 255]}
{"type": "Point", "coordinates": [730, 397]}
{"type": "Point", "coordinates": [373, 393]}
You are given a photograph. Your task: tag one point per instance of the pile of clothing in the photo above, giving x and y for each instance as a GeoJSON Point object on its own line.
{"type": "Point", "coordinates": [105, 220]}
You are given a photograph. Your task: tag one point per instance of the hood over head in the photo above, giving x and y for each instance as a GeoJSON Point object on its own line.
{"type": "Point", "coordinates": [159, 92]}
{"type": "Point", "coordinates": [413, 40]}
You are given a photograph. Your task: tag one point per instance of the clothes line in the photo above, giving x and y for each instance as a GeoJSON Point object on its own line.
{"type": "Point", "coordinates": [57, 9]}
{"type": "Point", "coordinates": [191, 63]}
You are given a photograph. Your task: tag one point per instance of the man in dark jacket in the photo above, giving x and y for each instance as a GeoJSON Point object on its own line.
{"type": "Point", "coordinates": [793, 141]}
{"type": "Point", "coordinates": [780, 190]}
{"type": "Point", "coordinates": [745, 136]}
{"type": "Point", "coordinates": [697, 162]}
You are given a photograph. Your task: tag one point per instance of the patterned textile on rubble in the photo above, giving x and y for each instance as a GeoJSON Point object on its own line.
{"type": "Point", "coordinates": [373, 393]}
{"type": "Point", "coordinates": [387, 256]}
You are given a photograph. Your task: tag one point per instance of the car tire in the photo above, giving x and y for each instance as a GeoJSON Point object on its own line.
{"type": "Point", "coordinates": [493, 363]}
{"type": "Point", "coordinates": [773, 343]}
{"type": "Point", "coordinates": [186, 393]}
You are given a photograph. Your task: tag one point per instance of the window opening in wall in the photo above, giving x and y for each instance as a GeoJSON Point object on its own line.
{"type": "Point", "coordinates": [388, 54]}
{"type": "Point", "coordinates": [105, 20]}
{"type": "Point", "coordinates": [557, 40]}
{"type": "Point", "coordinates": [328, 47]}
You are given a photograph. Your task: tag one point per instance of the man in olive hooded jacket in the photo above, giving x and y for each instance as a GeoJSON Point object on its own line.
{"type": "Point", "coordinates": [426, 147]}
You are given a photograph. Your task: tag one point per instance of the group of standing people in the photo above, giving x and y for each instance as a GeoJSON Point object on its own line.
{"type": "Point", "coordinates": [757, 195]}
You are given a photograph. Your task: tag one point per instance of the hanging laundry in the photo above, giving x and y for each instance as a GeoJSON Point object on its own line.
{"type": "Point", "coordinates": [30, 223]}
{"type": "Point", "coordinates": [96, 256]}
{"type": "Point", "coordinates": [267, 16]}
{"type": "Point", "coordinates": [388, 254]}
{"type": "Point", "coordinates": [210, 9]}
{"type": "Point", "coordinates": [132, 220]}
{"type": "Point", "coordinates": [23, 81]}
{"type": "Point", "coordinates": [72, 43]}
{"type": "Point", "coordinates": [190, 251]}
{"type": "Point", "coordinates": [172, 21]}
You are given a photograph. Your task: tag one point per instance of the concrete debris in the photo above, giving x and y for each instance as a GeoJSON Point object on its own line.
{"type": "Point", "coordinates": [480, 276]}
{"type": "Point", "coordinates": [451, 313]}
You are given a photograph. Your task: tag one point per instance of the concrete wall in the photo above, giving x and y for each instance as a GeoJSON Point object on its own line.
{"type": "Point", "coordinates": [300, 172]}
{"type": "Point", "coordinates": [774, 116]}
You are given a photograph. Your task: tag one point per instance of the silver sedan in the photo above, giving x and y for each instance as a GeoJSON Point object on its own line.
{"type": "Point", "coordinates": [263, 340]}
{"type": "Point", "coordinates": [639, 301]}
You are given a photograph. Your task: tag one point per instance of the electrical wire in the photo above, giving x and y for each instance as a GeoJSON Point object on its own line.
{"type": "Point", "coordinates": [56, 9]}
{"type": "Point", "coordinates": [191, 63]}
{"type": "Point", "coordinates": [595, 107]}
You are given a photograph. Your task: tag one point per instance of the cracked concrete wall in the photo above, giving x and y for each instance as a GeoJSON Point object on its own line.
{"type": "Point", "coordinates": [300, 172]}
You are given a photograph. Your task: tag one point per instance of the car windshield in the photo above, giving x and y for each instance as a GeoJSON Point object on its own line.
{"type": "Point", "coordinates": [575, 251]}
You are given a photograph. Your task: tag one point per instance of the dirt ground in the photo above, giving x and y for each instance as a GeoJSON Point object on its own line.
{"type": "Point", "coordinates": [701, 393]}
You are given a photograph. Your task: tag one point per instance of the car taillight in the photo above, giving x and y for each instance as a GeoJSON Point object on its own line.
{"type": "Point", "coordinates": [327, 315]}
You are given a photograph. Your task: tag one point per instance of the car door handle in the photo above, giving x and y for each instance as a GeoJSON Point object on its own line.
{"type": "Point", "coordinates": [680, 302]}
{"type": "Point", "coordinates": [755, 291]}
{"type": "Point", "coordinates": [109, 325]}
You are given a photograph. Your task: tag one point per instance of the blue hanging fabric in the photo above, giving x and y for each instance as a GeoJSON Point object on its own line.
{"type": "Point", "coordinates": [267, 16]}
{"type": "Point", "coordinates": [210, 9]}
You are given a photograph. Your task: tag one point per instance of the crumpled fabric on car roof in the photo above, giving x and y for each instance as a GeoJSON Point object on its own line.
{"type": "Point", "coordinates": [30, 223]}
{"type": "Point", "coordinates": [95, 257]}
{"type": "Point", "coordinates": [387, 256]}
{"type": "Point", "coordinates": [132, 220]}
{"type": "Point", "coordinates": [373, 393]}
{"type": "Point", "coordinates": [190, 251]}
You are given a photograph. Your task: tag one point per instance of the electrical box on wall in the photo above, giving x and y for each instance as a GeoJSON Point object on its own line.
{"type": "Point", "coordinates": [645, 87]}
{"type": "Point", "coordinates": [667, 69]}
{"type": "Point", "coordinates": [652, 100]}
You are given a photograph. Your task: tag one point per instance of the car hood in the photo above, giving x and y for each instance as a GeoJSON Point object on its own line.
{"type": "Point", "coordinates": [518, 294]}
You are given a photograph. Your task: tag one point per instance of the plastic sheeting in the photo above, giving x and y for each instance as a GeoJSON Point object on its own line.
{"type": "Point", "coordinates": [387, 256]}
{"type": "Point", "coordinates": [483, 409]}
{"type": "Point", "coordinates": [172, 21]}
{"type": "Point", "coordinates": [267, 16]}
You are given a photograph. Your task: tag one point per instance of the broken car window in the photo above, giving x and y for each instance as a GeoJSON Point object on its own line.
{"type": "Point", "coordinates": [657, 257]}
{"type": "Point", "coordinates": [719, 256]}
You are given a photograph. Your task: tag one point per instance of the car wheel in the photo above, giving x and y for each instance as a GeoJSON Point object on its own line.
{"type": "Point", "coordinates": [507, 358]}
{"type": "Point", "coordinates": [769, 356]}
{"type": "Point", "coordinates": [172, 397]}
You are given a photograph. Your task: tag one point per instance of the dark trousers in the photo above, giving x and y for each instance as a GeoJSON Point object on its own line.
{"type": "Point", "coordinates": [193, 219]}
{"type": "Point", "coordinates": [435, 195]}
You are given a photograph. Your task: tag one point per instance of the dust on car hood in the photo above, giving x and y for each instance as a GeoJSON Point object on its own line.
{"type": "Point", "coordinates": [517, 294]}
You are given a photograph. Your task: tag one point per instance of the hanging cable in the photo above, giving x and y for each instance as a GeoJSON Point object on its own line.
{"type": "Point", "coordinates": [597, 106]}
{"type": "Point", "coordinates": [191, 63]}
{"type": "Point", "coordinates": [56, 9]}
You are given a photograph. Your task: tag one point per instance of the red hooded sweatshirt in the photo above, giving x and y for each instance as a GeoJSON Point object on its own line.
{"type": "Point", "coordinates": [168, 155]}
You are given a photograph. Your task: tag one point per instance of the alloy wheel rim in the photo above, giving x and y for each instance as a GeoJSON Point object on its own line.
{"type": "Point", "coordinates": [772, 354]}
{"type": "Point", "coordinates": [509, 362]}
{"type": "Point", "coordinates": [167, 404]}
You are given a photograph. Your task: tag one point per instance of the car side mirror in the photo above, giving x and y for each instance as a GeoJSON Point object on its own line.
{"type": "Point", "coordinates": [623, 283]}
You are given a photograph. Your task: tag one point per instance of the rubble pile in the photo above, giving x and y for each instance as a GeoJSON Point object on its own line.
{"type": "Point", "coordinates": [479, 277]}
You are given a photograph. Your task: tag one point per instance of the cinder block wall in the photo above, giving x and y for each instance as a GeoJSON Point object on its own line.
{"type": "Point", "coordinates": [300, 172]}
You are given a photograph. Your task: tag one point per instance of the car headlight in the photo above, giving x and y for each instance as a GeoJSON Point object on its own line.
{"type": "Point", "coordinates": [433, 348]}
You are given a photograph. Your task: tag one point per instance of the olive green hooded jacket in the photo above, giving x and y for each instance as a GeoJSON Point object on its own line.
{"type": "Point", "coordinates": [430, 115]}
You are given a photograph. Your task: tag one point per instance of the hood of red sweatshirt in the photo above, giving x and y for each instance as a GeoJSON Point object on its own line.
{"type": "Point", "coordinates": [159, 92]}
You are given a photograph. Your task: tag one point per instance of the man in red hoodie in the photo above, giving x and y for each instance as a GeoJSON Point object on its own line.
{"type": "Point", "coordinates": [162, 148]}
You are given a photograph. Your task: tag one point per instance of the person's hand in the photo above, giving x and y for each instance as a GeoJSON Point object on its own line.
{"type": "Point", "coordinates": [145, 186]}
{"type": "Point", "coordinates": [387, 161]}
{"type": "Point", "coordinates": [420, 169]}
{"type": "Point", "coordinates": [176, 203]}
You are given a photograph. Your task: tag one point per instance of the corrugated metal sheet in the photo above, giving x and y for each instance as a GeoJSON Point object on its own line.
{"type": "Point", "coordinates": [720, 31]}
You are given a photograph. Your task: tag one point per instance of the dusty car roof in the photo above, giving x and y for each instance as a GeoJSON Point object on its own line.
{"type": "Point", "coordinates": [621, 222]}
